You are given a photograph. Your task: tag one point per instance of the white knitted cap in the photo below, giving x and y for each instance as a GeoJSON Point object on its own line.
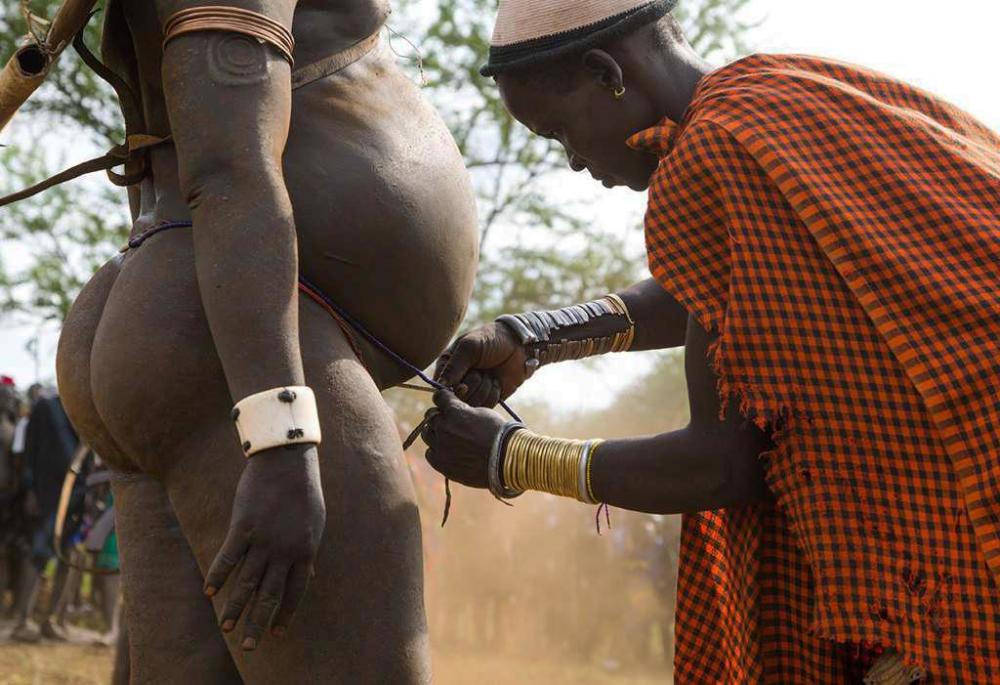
{"type": "Point", "coordinates": [529, 31]}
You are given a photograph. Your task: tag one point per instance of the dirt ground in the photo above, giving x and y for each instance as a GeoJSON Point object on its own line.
{"type": "Point", "coordinates": [82, 664]}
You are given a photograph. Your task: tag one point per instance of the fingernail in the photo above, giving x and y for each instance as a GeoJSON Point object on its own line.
{"type": "Point", "coordinates": [249, 643]}
{"type": "Point", "coordinates": [210, 591]}
{"type": "Point", "coordinates": [228, 625]}
{"type": "Point", "coordinates": [278, 631]}
{"type": "Point", "coordinates": [462, 391]}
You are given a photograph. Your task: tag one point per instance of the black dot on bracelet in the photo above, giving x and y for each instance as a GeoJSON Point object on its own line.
{"type": "Point", "coordinates": [286, 396]}
{"type": "Point", "coordinates": [295, 433]}
{"type": "Point", "coordinates": [247, 446]}
{"type": "Point", "coordinates": [236, 414]}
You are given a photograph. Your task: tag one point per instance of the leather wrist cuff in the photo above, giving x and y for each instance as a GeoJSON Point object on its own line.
{"type": "Point", "coordinates": [547, 336]}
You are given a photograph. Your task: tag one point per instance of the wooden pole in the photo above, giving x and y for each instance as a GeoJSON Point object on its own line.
{"type": "Point", "coordinates": [31, 63]}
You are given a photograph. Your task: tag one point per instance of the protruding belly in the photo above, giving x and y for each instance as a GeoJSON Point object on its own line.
{"type": "Point", "coordinates": [384, 208]}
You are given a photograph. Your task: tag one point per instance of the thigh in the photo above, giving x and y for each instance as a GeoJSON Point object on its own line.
{"type": "Point", "coordinates": [363, 617]}
{"type": "Point", "coordinates": [173, 635]}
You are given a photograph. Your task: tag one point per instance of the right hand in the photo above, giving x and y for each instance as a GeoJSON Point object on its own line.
{"type": "Point", "coordinates": [487, 355]}
{"type": "Point", "coordinates": [277, 521]}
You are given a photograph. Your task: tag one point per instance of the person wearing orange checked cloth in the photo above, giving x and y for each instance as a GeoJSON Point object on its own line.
{"type": "Point", "coordinates": [824, 241]}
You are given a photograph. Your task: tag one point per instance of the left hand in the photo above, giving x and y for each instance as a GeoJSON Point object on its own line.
{"type": "Point", "coordinates": [459, 439]}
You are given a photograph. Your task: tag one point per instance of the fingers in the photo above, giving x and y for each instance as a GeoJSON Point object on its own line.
{"type": "Point", "coordinates": [478, 388]}
{"type": "Point", "coordinates": [295, 589]}
{"type": "Point", "coordinates": [225, 561]}
{"type": "Point", "coordinates": [441, 364]}
{"type": "Point", "coordinates": [446, 400]}
{"type": "Point", "coordinates": [426, 427]}
{"type": "Point", "coordinates": [496, 392]}
{"type": "Point", "coordinates": [463, 357]}
{"type": "Point", "coordinates": [265, 604]}
{"type": "Point", "coordinates": [239, 596]}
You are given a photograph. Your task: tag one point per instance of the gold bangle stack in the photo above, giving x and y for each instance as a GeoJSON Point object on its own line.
{"type": "Point", "coordinates": [553, 465]}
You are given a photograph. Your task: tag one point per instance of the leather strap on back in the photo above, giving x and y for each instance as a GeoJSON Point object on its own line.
{"type": "Point", "coordinates": [338, 61]}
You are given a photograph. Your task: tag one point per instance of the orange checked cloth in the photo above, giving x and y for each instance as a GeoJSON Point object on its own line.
{"type": "Point", "coordinates": [841, 232]}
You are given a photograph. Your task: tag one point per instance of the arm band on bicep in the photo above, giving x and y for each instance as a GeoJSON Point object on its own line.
{"type": "Point", "coordinates": [233, 20]}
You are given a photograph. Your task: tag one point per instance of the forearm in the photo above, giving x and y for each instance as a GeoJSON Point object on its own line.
{"type": "Point", "coordinates": [247, 268]}
{"type": "Point", "coordinates": [642, 317]}
{"type": "Point", "coordinates": [674, 473]}
{"type": "Point", "coordinates": [230, 170]}
{"type": "Point", "coordinates": [681, 472]}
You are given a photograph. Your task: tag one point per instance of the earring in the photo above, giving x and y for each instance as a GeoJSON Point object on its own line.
{"type": "Point", "coordinates": [619, 92]}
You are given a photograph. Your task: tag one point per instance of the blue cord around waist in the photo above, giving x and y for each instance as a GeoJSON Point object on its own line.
{"type": "Point", "coordinates": [138, 240]}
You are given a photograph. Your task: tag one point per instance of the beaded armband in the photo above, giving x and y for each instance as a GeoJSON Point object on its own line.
{"type": "Point", "coordinates": [547, 336]}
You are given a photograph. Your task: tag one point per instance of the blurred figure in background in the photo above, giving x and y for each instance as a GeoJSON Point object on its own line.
{"type": "Point", "coordinates": [50, 443]}
{"type": "Point", "coordinates": [10, 413]}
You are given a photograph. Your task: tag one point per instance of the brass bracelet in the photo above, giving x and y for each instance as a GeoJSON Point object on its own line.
{"type": "Point", "coordinates": [233, 20]}
{"type": "Point", "coordinates": [553, 465]}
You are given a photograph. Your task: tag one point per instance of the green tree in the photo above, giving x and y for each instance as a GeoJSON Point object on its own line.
{"type": "Point", "coordinates": [58, 239]}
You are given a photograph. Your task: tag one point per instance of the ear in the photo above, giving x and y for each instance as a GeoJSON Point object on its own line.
{"type": "Point", "coordinates": [604, 69]}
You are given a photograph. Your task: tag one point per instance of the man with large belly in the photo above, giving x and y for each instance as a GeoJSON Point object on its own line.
{"type": "Point", "coordinates": [300, 153]}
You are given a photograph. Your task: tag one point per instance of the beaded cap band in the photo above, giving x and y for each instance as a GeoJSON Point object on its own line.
{"type": "Point", "coordinates": [232, 19]}
{"type": "Point", "coordinates": [529, 32]}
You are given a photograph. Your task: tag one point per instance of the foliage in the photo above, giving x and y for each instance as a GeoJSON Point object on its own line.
{"type": "Point", "coordinates": [67, 238]}
{"type": "Point", "coordinates": [73, 96]}
{"type": "Point", "coordinates": [54, 242]}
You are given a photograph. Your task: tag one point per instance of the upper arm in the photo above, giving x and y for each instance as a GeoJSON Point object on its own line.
{"type": "Point", "coordinates": [228, 97]}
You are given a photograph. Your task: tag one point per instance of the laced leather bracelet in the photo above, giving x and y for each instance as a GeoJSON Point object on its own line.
{"type": "Point", "coordinates": [548, 336]}
{"type": "Point", "coordinates": [529, 461]}
{"type": "Point", "coordinates": [277, 418]}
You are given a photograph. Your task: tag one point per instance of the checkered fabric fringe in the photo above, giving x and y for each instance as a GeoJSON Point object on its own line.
{"type": "Point", "coordinates": [841, 231]}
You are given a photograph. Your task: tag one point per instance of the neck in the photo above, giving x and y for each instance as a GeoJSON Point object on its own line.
{"type": "Point", "coordinates": [679, 71]}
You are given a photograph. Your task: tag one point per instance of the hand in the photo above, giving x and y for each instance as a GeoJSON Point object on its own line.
{"type": "Point", "coordinates": [459, 439]}
{"type": "Point", "coordinates": [496, 353]}
{"type": "Point", "coordinates": [277, 521]}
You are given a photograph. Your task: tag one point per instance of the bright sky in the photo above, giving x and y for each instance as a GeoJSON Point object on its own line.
{"type": "Point", "coordinates": [949, 48]}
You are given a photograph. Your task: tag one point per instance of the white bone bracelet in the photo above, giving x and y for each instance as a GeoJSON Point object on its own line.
{"type": "Point", "coordinates": [277, 417]}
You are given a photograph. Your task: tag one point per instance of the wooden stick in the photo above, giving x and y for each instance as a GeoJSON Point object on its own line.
{"type": "Point", "coordinates": [27, 68]}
